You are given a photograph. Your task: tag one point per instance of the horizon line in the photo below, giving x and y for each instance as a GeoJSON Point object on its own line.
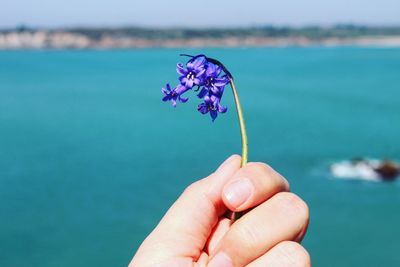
{"type": "Point", "coordinates": [28, 26]}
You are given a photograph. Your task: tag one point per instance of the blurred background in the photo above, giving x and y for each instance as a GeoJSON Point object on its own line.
{"type": "Point", "coordinates": [91, 158]}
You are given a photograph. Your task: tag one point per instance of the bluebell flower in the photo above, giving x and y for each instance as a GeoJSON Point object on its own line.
{"type": "Point", "coordinates": [193, 74]}
{"type": "Point", "coordinates": [209, 76]}
{"type": "Point", "coordinates": [211, 105]}
{"type": "Point", "coordinates": [212, 82]}
{"type": "Point", "coordinates": [174, 94]}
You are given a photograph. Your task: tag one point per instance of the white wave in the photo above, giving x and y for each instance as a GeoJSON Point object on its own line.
{"type": "Point", "coordinates": [362, 169]}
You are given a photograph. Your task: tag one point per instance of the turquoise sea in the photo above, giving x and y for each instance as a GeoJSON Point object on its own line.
{"type": "Point", "coordinates": [90, 158]}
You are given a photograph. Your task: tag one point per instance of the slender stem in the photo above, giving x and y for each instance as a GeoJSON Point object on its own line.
{"type": "Point", "coordinates": [245, 152]}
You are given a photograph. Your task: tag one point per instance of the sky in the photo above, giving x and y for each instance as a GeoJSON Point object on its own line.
{"type": "Point", "coordinates": [205, 13]}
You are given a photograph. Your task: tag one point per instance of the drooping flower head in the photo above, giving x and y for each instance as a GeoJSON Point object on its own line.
{"type": "Point", "coordinates": [194, 72]}
{"type": "Point", "coordinates": [207, 75]}
{"type": "Point", "coordinates": [174, 94]}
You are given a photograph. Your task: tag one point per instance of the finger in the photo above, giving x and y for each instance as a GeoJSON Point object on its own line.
{"type": "Point", "coordinates": [285, 254]}
{"type": "Point", "coordinates": [281, 218]}
{"type": "Point", "coordinates": [252, 185]}
{"type": "Point", "coordinates": [184, 230]}
{"type": "Point", "coordinates": [218, 233]}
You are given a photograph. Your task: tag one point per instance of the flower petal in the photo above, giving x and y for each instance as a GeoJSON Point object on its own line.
{"type": "Point", "coordinates": [210, 69]}
{"type": "Point", "coordinates": [200, 72]}
{"type": "Point", "coordinates": [181, 89]}
{"type": "Point", "coordinates": [213, 114]}
{"type": "Point", "coordinates": [218, 71]}
{"type": "Point", "coordinates": [183, 99]}
{"type": "Point", "coordinates": [180, 69]}
{"type": "Point", "coordinates": [189, 83]}
{"type": "Point", "coordinates": [202, 108]}
{"type": "Point", "coordinates": [220, 82]}
{"type": "Point", "coordinates": [199, 62]}
{"type": "Point", "coordinates": [202, 93]}
{"type": "Point", "coordinates": [215, 90]}
{"type": "Point", "coordinates": [189, 65]}
{"type": "Point", "coordinates": [214, 99]}
{"type": "Point", "coordinates": [173, 101]}
{"type": "Point", "coordinates": [197, 81]}
{"type": "Point", "coordinates": [222, 109]}
{"type": "Point", "coordinates": [207, 100]}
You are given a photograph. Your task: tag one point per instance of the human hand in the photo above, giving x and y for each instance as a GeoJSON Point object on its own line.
{"type": "Point", "coordinates": [194, 231]}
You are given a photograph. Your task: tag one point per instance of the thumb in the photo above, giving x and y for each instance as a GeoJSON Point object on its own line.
{"type": "Point", "coordinates": [186, 227]}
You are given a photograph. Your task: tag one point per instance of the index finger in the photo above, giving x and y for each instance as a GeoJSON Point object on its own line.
{"type": "Point", "coordinates": [186, 227]}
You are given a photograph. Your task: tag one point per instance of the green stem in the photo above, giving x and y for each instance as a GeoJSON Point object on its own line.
{"type": "Point", "coordinates": [245, 152]}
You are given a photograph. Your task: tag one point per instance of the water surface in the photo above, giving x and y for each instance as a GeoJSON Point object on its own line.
{"type": "Point", "coordinates": [90, 158]}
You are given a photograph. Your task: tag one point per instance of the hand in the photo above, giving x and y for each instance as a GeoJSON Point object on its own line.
{"type": "Point", "coordinates": [194, 232]}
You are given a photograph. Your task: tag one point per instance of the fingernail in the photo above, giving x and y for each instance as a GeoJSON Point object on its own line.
{"type": "Point", "coordinates": [238, 192]}
{"type": "Point", "coordinates": [220, 260]}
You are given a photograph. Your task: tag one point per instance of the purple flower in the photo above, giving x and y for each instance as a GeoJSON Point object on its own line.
{"type": "Point", "coordinates": [193, 74]}
{"type": "Point", "coordinates": [211, 104]}
{"type": "Point", "coordinates": [209, 75]}
{"type": "Point", "coordinates": [174, 94]}
{"type": "Point", "coordinates": [212, 82]}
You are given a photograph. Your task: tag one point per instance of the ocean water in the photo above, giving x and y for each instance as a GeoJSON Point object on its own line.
{"type": "Point", "coordinates": [90, 158]}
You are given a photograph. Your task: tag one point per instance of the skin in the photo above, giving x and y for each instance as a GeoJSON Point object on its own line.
{"type": "Point", "coordinates": [195, 233]}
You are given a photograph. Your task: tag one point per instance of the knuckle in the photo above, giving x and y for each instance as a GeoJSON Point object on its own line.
{"type": "Point", "coordinates": [295, 254]}
{"type": "Point", "coordinates": [294, 204]}
{"type": "Point", "coordinates": [281, 183]}
{"type": "Point", "coordinates": [192, 188]}
{"type": "Point", "coordinates": [261, 167]}
{"type": "Point", "coordinates": [264, 170]}
{"type": "Point", "coordinates": [248, 236]}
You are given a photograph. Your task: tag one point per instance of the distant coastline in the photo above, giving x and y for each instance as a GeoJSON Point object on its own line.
{"type": "Point", "coordinates": [134, 37]}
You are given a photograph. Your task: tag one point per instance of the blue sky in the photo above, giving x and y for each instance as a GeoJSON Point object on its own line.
{"type": "Point", "coordinates": [56, 13]}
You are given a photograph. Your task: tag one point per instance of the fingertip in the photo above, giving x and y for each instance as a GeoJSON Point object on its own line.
{"type": "Point", "coordinates": [231, 162]}
{"type": "Point", "coordinates": [237, 193]}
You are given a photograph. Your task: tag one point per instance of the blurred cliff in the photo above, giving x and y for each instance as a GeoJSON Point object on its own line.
{"type": "Point", "coordinates": [134, 37]}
